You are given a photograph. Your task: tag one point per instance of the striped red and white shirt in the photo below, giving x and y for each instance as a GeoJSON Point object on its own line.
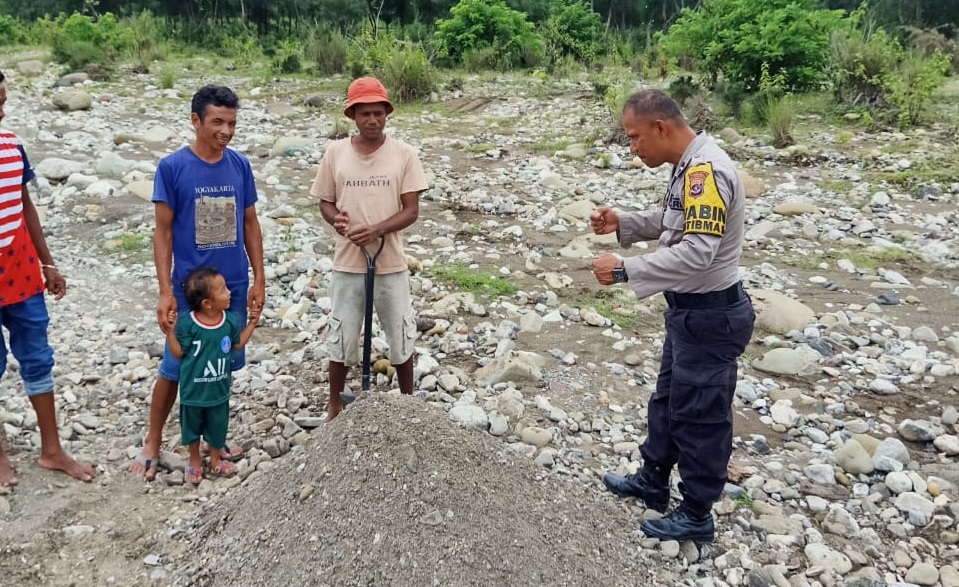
{"type": "Point", "coordinates": [20, 275]}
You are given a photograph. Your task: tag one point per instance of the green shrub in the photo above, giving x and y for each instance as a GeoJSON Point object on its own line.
{"type": "Point", "coordinates": [148, 43]}
{"type": "Point", "coordinates": [370, 52]}
{"type": "Point", "coordinates": [683, 88]}
{"type": "Point", "coordinates": [11, 31]}
{"type": "Point", "coordinates": [733, 95]}
{"type": "Point", "coordinates": [911, 86]}
{"type": "Point", "coordinates": [408, 74]}
{"type": "Point", "coordinates": [286, 56]}
{"type": "Point", "coordinates": [779, 118]}
{"type": "Point", "coordinates": [485, 59]}
{"type": "Point", "coordinates": [244, 50]}
{"type": "Point", "coordinates": [572, 29]}
{"type": "Point", "coordinates": [928, 42]}
{"type": "Point", "coordinates": [479, 25]}
{"type": "Point", "coordinates": [860, 61]}
{"type": "Point", "coordinates": [167, 78]}
{"type": "Point", "coordinates": [735, 37]}
{"type": "Point", "coordinates": [328, 49]}
{"type": "Point", "coordinates": [78, 39]}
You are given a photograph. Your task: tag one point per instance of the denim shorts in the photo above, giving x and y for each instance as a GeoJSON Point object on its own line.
{"type": "Point", "coordinates": [170, 366]}
{"type": "Point", "coordinates": [27, 323]}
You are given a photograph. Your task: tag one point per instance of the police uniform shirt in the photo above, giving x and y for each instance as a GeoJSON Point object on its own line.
{"type": "Point", "coordinates": [699, 227]}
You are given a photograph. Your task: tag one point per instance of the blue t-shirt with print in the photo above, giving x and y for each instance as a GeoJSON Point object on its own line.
{"type": "Point", "coordinates": [208, 201]}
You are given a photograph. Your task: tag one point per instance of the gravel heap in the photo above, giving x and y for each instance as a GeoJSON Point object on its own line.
{"type": "Point", "coordinates": [374, 493]}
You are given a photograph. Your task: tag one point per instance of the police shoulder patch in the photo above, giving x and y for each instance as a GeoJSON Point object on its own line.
{"type": "Point", "coordinates": [703, 205]}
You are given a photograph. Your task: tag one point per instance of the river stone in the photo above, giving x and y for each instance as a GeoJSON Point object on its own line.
{"type": "Point", "coordinates": [72, 100]}
{"type": "Point", "coordinates": [854, 459]}
{"type": "Point", "coordinates": [891, 455]}
{"type": "Point", "coordinates": [795, 208]}
{"type": "Point", "coordinates": [947, 444]}
{"type": "Point", "coordinates": [823, 556]}
{"type": "Point", "coordinates": [779, 314]}
{"type": "Point", "coordinates": [923, 573]}
{"type": "Point", "coordinates": [801, 360]}
{"type": "Point", "coordinates": [919, 430]}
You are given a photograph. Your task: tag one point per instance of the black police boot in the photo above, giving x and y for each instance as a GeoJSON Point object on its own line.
{"type": "Point", "coordinates": [683, 523]}
{"type": "Point", "coordinates": [650, 484]}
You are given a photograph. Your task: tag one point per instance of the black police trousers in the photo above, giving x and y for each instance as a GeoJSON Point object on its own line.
{"type": "Point", "coordinates": [690, 413]}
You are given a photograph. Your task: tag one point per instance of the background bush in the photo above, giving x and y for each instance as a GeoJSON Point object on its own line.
{"type": "Point", "coordinates": [572, 29]}
{"type": "Point", "coordinates": [734, 38]}
{"type": "Point", "coordinates": [476, 25]}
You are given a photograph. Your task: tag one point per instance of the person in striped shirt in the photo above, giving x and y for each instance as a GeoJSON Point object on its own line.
{"type": "Point", "coordinates": [26, 270]}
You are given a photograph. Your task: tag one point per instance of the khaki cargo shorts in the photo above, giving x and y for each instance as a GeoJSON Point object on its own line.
{"type": "Point", "coordinates": [394, 311]}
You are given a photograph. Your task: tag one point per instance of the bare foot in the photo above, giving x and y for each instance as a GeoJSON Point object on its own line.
{"type": "Point", "coordinates": [63, 462]}
{"type": "Point", "coordinates": [333, 410]}
{"type": "Point", "coordinates": [145, 464]}
{"type": "Point", "coordinates": [8, 476]}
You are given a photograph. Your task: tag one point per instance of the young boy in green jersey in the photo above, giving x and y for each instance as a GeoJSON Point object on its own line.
{"type": "Point", "coordinates": [204, 339]}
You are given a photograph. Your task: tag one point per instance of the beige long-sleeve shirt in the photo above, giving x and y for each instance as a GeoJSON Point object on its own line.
{"type": "Point", "coordinates": [699, 227]}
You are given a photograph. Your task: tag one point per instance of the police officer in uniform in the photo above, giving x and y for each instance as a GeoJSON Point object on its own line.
{"type": "Point", "coordinates": [699, 229]}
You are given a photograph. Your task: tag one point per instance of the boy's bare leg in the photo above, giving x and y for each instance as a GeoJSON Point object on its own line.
{"type": "Point", "coordinates": [164, 396]}
{"type": "Point", "coordinates": [337, 381]}
{"type": "Point", "coordinates": [8, 477]}
{"type": "Point", "coordinates": [52, 455]}
{"type": "Point", "coordinates": [404, 371]}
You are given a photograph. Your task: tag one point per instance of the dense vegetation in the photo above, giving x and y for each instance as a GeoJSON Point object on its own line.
{"type": "Point", "coordinates": [884, 59]}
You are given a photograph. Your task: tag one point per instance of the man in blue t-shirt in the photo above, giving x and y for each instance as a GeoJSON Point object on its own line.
{"type": "Point", "coordinates": [205, 205]}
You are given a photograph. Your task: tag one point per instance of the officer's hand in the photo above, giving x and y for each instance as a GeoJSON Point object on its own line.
{"type": "Point", "coordinates": [603, 266]}
{"type": "Point", "coordinates": [604, 220]}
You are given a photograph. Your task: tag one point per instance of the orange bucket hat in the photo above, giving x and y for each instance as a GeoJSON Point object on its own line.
{"type": "Point", "coordinates": [366, 90]}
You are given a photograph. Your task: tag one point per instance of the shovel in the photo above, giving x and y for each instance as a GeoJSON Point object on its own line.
{"type": "Point", "coordinates": [367, 319]}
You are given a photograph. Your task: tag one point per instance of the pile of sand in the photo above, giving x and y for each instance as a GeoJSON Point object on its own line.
{"type": "Point", "coordinates": [392, 493]}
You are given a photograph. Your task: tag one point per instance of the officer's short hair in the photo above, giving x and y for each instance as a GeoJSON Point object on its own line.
{"type": "Point", "coordinates": [653, 103]}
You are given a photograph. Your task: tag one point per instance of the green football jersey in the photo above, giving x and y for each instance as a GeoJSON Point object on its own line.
{"type": "Point", "coordinates": [205, 367]}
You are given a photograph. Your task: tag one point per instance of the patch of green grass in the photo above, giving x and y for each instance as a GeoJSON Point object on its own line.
{"type": "Point", "coordinates": [131, 243]}
{"type": "Point", "coordinates": [549, 146]}
{"type": "Point", "coordinates": [915, 176]}
{"type": "Point", "coordinates": [862, 258]}
{"type": "Point", "coordinates": [478, 148]}
{"type": "Point", "coordinates": [744, 501]}
{"type": "Point", "coordinates": [616, 304]}
{"type": "Point", "coordinates": [475, 281]}
{"type": "Point", "coordinates": [138, 247]}
{"type": "Point", "coordinates": [835, 185]}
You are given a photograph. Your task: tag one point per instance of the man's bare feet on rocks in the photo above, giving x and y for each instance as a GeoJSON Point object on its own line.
{"type": "Point", "coordinates": [63, 462]}
{"type": "Point", "coordinates": [333, 411]}
{"type": "Point", "coordinates": [8, 476]}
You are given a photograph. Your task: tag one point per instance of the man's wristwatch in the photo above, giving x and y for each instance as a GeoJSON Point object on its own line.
{"type": "Point", "coordinates": [619, 275]}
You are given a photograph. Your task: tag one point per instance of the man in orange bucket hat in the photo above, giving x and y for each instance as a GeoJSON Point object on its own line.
{"type": "Point", "coordinates": [369, 186]}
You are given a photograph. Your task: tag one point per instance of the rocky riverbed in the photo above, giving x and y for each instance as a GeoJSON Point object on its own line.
{"type": "Point", "coordinates": [844, 470]}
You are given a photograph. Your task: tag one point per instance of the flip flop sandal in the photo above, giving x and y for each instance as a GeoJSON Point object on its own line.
{"type": "Point", "coordinates": [148, 465]}
{"type": "Point", "coordinates": [224, 469]}
{"type": "Point", "coordinates": [234, 454]}
{"type": "Point", "coordinates": [195, 472]}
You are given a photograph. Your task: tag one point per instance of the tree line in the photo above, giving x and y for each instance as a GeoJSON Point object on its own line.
{"type": "Point", "coordinates": [276, 16]}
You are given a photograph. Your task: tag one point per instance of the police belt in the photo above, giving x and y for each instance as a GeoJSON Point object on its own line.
{"type": "Point", "coordinates": [701, 301]}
